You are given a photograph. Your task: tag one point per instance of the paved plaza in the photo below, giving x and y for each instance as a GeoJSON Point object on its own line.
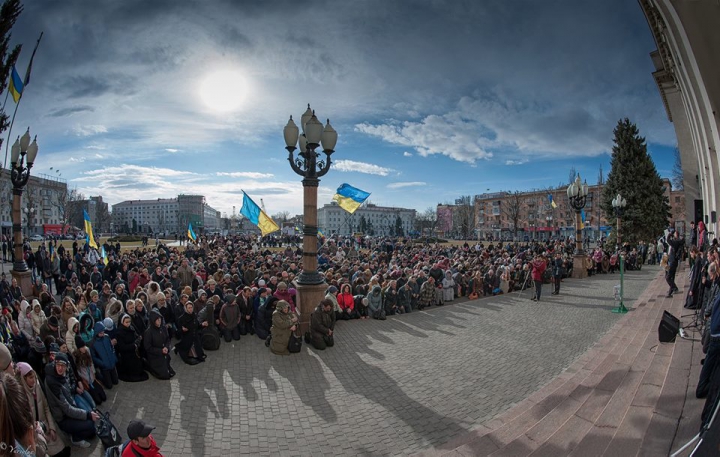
{"type": "Point", "coordinates": [392, 387]}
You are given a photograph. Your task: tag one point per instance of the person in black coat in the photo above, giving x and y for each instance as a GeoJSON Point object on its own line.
{"type": "Point", "coordinates": [157, 347]}
{"type": "Point", "coordinates": [130, 365]}
{"type": "Point", "coordinates": [674, 255]}
{"type": "Point", "coordinates": [263, 320]}
{"type": "Point", "coordinates": [557, 271]}
{"type": "Point", "coordinates": [245, 303]}
{"type": "Point", "coordinates": [189, 348]}
{"type": "Point", "coordinates": [167, 314]}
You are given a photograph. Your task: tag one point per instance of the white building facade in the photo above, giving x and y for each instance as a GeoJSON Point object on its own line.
{"type": "Point", "coordinates": [163, 215]}
{"type": "Point", "coordinates": [378, 220]}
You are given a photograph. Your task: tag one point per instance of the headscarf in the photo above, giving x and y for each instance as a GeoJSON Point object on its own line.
{"type": "Point", "coordinates": [282, 304]}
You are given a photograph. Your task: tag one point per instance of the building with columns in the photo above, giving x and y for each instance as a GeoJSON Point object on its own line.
{"type": "Point", "coordinates": [687, 73]}
{"type": "Point", "coordinates": [379, 220]}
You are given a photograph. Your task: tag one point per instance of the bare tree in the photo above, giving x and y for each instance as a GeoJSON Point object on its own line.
{"type": "Point", "coordinates": [511, 208]}
{"type": "Point", "coordinates": [430, 216]}
{"type": "Point", "coordinates": [281, 216]}
{"type": "Point", "coordinates": [102, 218]}
{"type": "Point", "coordinates": [677, 172]}
{"type": "Point", "coordinates": [572, 175]}
{"type": "Point", "coordinates": [67, 204]}
{"type": "Point", "coordinates": [465, 216]}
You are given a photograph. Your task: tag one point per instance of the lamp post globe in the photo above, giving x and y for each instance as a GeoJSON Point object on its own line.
{"type": "Point", "coordinates": [22, 157]}
{"type": "Point", "coordinates": [310, 165]}
{"type": "Point", "coordinates": [577, 193]}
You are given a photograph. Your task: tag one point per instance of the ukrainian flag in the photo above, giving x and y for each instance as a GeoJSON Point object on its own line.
{"type": "Point", "coordinates": [582, 219]}
{"type": "Point", "coordinates": [191, 233]}
{"type": "Point", "coordinates": [252, 211]}
{"type": "Point", "coordinates": [552, 202]}
{"type": "Point", "coordinates": [103, 254]}
{"type": "Point", "coordinates": [16, 85]}
{"type": "Point", "coordinates": [350, 198]}
{"type": "Point", "coordinates": [90, 238]}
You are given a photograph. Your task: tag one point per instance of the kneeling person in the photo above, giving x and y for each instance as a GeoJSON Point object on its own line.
{"type": "Point", "coordinates": [322, 325]}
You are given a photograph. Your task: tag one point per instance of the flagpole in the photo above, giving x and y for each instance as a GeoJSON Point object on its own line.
{"type": "Point", "coordinates": [25, 81]}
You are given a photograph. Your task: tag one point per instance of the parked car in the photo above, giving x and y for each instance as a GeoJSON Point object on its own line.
{"type": "Point", "coordinates": [37, 238]}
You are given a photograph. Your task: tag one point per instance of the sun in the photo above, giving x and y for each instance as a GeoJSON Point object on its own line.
{"type": "Point", "coordinates": [223, 90]}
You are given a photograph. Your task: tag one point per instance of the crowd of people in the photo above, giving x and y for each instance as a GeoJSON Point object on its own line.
{"type": "Point", "coordinates": [92, 324]}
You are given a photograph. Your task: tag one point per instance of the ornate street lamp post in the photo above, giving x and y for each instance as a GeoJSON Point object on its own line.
{"type": "Point", "coordinates": [22, 159]}
{"type": "Point", "coordinates": [619, 204]}
{"type": "Point", "coordinates": [310, 284]}
{"type": "Point", "coordinates": [577, 194]}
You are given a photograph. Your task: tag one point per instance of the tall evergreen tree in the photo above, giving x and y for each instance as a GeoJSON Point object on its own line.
{"type": "Point", "coordinates": [9, 12]}
{"type": "Point", "coordinates": [633, 175]}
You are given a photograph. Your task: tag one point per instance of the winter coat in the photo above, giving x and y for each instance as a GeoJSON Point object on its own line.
{"type": "Point", "coordinates": [191, 323]}
{"type": "Point", "coordinates": [155, 340]}
{"type": "Point", "coordinates": [87, 322]}
{"type": "Point", "coordinates": [70, 335]}
{"type": "Point", "coordinates": [375, 300]}
{"type": "Point", "coordinates": [538, 268]}
{"type": "Point", "coordinates": [230, 315]}
{"type": "Point", "coordinates": [103, 353]}
{"type": "Point", "coordinates": [138, 322]}
{"type": "Point", "coordinates": [448, 288]}
{"type": "Point", "coordinates": [60, 396]}
{"type": "Point", "coordinates": [321, 322]}
{"type": "Point", "coordinates": [427, 294]}
{"type": "Point", "coordinates": [40, 409]}
{"type": "Point", "coordinates": [25, 323]}
{"type": "Point", "coordinates": [346, 301]}
{"type": "Point", "coordinates": [280, 331]}
{"type": "Point", "coordinates": [130, 365]}
{"type": "Point", "coordinates": [38, 319]}
{"type": "Point", "coordinates": [390, 300]}
{"type": "Point", "coordinates": [333, 299]}
{"type": "Point", "coordinates": [286, 295]}
{"type": "Point", "coordinates": [263, 319]}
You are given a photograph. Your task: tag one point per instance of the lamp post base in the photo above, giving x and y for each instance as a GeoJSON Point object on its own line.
{"type": "Point", "coordinates": [24, 280]}
{"type": "Point", "coordinates": [579, 271]}
{"type": "Point", "coordinates": [308, 297]}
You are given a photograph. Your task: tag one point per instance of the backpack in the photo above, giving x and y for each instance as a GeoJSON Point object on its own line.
{"type": "Point", "coordinates": [210, 339]}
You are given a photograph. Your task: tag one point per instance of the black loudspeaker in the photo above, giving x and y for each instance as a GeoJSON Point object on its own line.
{"type": "Point", "coordinates": [698, 213]}
{"type": "Point", "coordinates": [668, 328]}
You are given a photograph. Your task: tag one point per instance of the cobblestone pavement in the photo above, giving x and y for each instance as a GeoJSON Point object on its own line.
{"type": "Point", "coordinates": [387, 387]}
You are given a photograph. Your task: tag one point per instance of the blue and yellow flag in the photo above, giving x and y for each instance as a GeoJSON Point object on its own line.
{"type": "Point", "coordinates": [89, 237]}
{"type": "Point", "coordinates": [191, 233]}
{"type": "Point", "coordinates": [582, 219]}
{"type": "Point", "coordinates": [552, 202]}
{"type": "Point", "coordinates": [103, 254]}
{"type": "Point", "coordinates": [252, 211]}
{"type": "Point", "coordinates": [16, 85]}
{"type": "Point", "coordinates": [350, 198]}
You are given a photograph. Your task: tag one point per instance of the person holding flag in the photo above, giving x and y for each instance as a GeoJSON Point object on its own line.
{"type": "Point", "coordinates": [89, 236]}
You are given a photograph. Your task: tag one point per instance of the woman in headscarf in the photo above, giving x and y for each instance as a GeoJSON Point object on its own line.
{"type": "Point", "coordinates": [130, 366]}
{"type": "Point", "coordinates": [41, 411]}
{"type": "Point", "coordinates": [113, 311]}
{"type": "Point", "coordinates": [68, 310]}
{"type": "Point", "coordinates": [72, 331]}
{"type": "Point", "coordinates": [157, 347]}
{"type": "Point", "coordinates": [283, 324]}
{"type": "Point", "coordinates": [189, 348]}
{"type": "Point", "coordinates": [283, 293]}
{"type": "Point", "coordinates": [25, 323]}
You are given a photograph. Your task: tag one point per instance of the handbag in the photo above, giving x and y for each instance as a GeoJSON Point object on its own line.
{"type": "Point", "coordinates": [473, 296]}
{"type": "Point", "coordinates": [106, 431]}
{"type": "Point", "coordinates": [380, 315]}
{"type": "Point", "coordinates": [295, 343]}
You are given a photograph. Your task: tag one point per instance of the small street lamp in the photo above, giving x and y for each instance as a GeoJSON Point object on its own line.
{"type": "Point", "coordinates": [22, 159]}
{"type": "Point", "coordinates": [577, 194]}
{"type": "Point", "coordinates": [619, 204]}
{"type": "Point", "coordinates": [310, 284]}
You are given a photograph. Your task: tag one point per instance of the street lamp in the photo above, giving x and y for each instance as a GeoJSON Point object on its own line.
{"type": "Point", "coordinates": [29, 215]}
{"type": "Point", "coordinates": [619, 204]}
{"type": "Point", "coordinates": [577, 194]}
{"type": "Point", "coordinates": [310, 284]}
{"type": "Point", "coordinates": [22, 159]}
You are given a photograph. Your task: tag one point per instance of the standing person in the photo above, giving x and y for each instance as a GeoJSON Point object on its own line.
{"type": "Point", "coordinates": [141, 441]}
{"type": "Point", "coordinates": [674, 255]}
{"type": "Point", "coordinates": [539, 264]}
{"type": "Point", "coordinates": [557, 271]}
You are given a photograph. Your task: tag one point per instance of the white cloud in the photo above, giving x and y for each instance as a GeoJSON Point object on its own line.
{"type": "Point", "coordinates": [77, 159]}
{"type": "Point", "coordinates": [407, 154]}
{"type": "Point", "coordinates": [246, 174]}
{"type": "Point", "coordinates": [361, 167]}
{"type": "Point", "coordinates": [400, 185]}
{"type": "Point", "coordinates": [89, 130]}
{"type": "Point", "coordinates": [172, 150]}
{"type": "Point", "coordinates": [516, 162]}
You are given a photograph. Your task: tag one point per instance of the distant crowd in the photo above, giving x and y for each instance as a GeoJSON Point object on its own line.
{"type": "Point", "coordinates": [92, 324]}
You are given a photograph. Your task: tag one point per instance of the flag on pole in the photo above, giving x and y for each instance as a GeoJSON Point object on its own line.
{"type": "Point", "coordinates": [582, 219]}
{"type": "Point", "coordinates": [191, 233]}
{"type": "Point", "coordinates": [103, 255]}
{"type": "Point", "coordinates": [52, 252]}
{"type": "Point", "coordinates": [552, 202]}
{"type": "Point", "coordinates": [350, 198]}
{"type": "Point", "coordinates": [89, 237]}
{"type": "Point", "coordinates": [29, 67]}
{"type": "Point", "coordinates": [257, 216]}
{"type": "Point", "coordinates": [16, 85]}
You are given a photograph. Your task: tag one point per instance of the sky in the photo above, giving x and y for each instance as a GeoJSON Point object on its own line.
{"type": "Point", "coordinates": [431, 99]}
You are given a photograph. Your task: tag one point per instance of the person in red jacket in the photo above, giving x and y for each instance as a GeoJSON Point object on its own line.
{"type": "Point", "coordinates": [141, 443]}
{"type": "Point", "coordinates": [538, 268]}
{"type": "Point", "coordinates": [346, 301]}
